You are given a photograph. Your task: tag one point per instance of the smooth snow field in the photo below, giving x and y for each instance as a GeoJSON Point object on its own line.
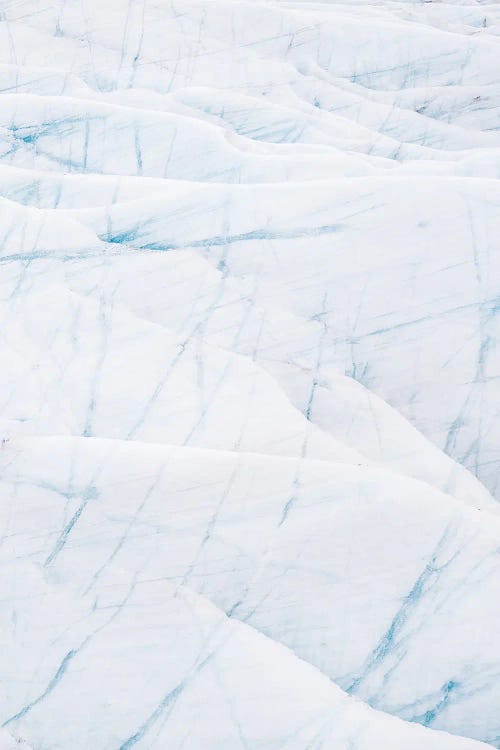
{"type": "Point", "coordinates": [249, 375]}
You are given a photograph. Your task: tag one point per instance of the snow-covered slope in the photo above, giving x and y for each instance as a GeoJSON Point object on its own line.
{"type": "Point", "coordinates": [382, 583]}
{"type": "Point", "coordinates": [201, 680]}
{"type": "Point", "coordinates": [249, 367]}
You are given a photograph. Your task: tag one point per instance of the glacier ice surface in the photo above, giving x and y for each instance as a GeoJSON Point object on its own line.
{"type": "Point", "coordinates": [250, 413]}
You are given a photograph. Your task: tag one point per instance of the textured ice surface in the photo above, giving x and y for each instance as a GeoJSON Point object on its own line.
{"type": "Point", "coordinates": [249, 369]}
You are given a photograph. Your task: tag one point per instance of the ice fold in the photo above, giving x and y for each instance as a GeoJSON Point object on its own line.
{"type": "Point", "coordinates": [249, 414]}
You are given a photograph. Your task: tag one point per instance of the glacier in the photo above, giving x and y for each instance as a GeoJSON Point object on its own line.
{"type": "Point", "coordinates": [249, 402]}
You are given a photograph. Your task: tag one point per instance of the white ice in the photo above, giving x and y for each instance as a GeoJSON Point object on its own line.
{"type": "Point", "coordinates": [249, 375]}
